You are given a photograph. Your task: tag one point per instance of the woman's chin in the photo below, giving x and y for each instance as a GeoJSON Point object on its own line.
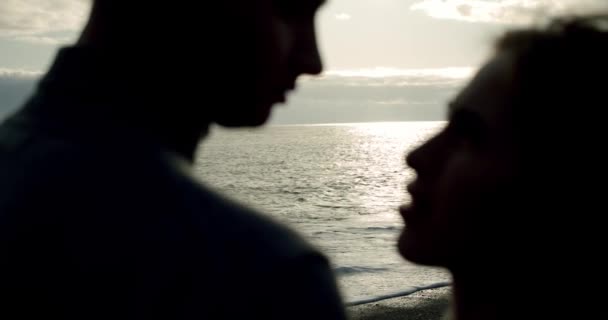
{"type": "Point", "coordinates": [416, 250]}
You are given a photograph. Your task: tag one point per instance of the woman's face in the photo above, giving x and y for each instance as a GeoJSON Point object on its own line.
{"type": "Point", "coordinates": [465, 176]}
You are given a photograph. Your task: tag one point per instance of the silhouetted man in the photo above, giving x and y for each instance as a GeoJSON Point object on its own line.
{"type": "Point", "coordinates": [100, 217]}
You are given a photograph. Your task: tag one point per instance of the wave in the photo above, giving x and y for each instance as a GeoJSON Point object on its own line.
{"type": "Point", "coordinates": [391, 228]}
{"type": "Point", "coordinates": [346, 271]}
{"type": "Point", "coordinates": [336, 206]}
{"type": "Point", "coordinates": [398, 294]}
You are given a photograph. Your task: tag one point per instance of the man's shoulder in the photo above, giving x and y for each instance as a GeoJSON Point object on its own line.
{"type": "Point", "coordinates": [113, 182]}
{"type": "Point", "coordinates": [240, 228]}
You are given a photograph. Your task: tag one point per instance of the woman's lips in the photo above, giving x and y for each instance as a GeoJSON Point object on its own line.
{"type": "Point", "coordinates": [418, 207]}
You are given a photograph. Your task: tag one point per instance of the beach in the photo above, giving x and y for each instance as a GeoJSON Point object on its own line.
{"type": "Point", "coordinates": [424, 305]}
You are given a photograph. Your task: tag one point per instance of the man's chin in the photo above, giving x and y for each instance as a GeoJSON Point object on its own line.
{"type": "Point", "coordinates": [244, 119]}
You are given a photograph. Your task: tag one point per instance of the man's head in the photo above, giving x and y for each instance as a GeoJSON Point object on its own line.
{"type": "Point", "coordinates": [222, 61]}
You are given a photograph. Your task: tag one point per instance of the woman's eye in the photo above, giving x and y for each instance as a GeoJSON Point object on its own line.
{"type": "Point", "coordinates": [296, 8]}
{"type": "Point", "coordinates": [468, 127]}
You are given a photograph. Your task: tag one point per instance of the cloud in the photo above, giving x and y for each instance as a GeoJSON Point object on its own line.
{"type": "Point", "coordinates": [343, 16]}
{"type": "Point", "coordinates": [6, 73]}
{"type": "Point", "coordinates": [506, 11]}
{"type": "Point", "coordinates": [44, 40]}
{"type": "Point", "coordinates": [38, 17]}
{"type": "Point", "coordinates": [378, 94]}
{"type": "Point", "coordinates": [15, 86]}
{"type": "Point", "coordinates": [398, 77]}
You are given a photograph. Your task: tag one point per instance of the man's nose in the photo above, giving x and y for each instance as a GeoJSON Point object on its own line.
{"type": "Point", "coordinates": [307, 54]}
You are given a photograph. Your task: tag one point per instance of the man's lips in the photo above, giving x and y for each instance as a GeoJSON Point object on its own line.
{"type": "Point", "coordinates": [281, 93]}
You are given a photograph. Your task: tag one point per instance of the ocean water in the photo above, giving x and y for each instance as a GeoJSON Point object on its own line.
{"type": "Point", "coordinates": [339, 185]}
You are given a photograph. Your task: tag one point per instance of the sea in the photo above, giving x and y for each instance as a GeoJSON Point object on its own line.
{"type": "Point", "coordinates": [338, 185]}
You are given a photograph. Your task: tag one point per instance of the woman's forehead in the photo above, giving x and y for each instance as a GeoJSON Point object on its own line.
{"type": "Point", "coordinates": [489, 94]}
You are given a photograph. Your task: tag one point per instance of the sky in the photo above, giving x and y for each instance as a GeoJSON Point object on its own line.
{"type": "Point", "coordinates": [385, 60]}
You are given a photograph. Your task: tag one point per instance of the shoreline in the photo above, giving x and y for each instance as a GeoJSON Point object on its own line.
{"type": "Point", "coordinates": [428, 304]}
